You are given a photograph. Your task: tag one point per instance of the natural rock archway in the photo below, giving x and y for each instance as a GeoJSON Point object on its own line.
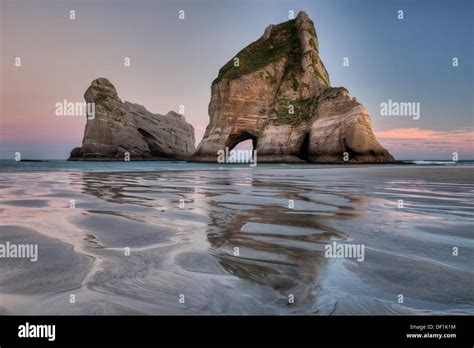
{"type": "Point", "coordinates": [278, 91]}
{"type": "Point", "coordinates": [235, 139]}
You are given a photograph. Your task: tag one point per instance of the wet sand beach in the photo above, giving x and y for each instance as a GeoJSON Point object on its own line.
{"type": "Point", "coordinates": [183, 228]}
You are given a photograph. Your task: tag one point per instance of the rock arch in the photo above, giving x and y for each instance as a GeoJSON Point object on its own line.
{"type": "Point", "coordinates": [281, 95]}
{"type": "Point", "coordinates": [236, 138]}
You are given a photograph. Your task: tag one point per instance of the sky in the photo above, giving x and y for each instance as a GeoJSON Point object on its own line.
{"type": "Point", "coordinates": [173, 62]}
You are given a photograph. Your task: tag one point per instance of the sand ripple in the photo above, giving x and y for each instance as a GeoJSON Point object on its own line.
{"type": "Point", "coordinates": [237, 245]}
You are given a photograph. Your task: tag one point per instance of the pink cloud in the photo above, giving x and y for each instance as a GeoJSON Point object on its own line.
{"type": "Point", "coordinates": [426, 134]}
{"type": "Point", "coordinates": [416, 142]}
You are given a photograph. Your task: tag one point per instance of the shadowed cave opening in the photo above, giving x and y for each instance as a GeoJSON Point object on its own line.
{"type": "Point", "coordinates": [304, 148]}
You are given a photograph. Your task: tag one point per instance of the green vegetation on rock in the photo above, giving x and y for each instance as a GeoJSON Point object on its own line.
{"type": "Point", "coordinates": [332, 92]}
{"type": "Point", "coordinates": [294, 83]}
{"type": "Point", "coordinates": [283, 42]}
{"type": "Point", "coordinates": [303, 110]}
{"type": "Point", "coordinates": [317, 73]}
{"type": "Point", "coordinates": [101, 99]}
{"type": "Point", "coordinates": [270, 78]}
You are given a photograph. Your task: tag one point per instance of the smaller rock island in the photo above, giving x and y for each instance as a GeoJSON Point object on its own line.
{"type": "Point", "coordinates": [120, 127]}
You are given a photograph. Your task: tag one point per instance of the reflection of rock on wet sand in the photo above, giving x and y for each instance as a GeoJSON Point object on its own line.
{"type": "Point", "coordinates": [190, 251]}
{"type": "Point", "coordinates": [280, 249]}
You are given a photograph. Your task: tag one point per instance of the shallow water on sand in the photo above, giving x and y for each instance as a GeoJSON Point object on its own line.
{"type": "Point", "coordinates": [183, 227]}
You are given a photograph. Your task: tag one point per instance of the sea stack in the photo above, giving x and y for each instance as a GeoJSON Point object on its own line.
{"type": "Point", "coordinates": [277, 92]}
{"type": "Point", "coordinates": [118, 128]}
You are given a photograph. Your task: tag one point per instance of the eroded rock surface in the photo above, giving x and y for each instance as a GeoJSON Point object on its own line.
{"type": "Point", "coordinates": [277, 92]}
{"type": "Point", "coordinates": [119, 127]}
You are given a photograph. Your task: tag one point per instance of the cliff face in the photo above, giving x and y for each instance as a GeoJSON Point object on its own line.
{"type": "Point", "coordinates": [277, 93]}
{"type": "Point", "coordinates": [119, 127]}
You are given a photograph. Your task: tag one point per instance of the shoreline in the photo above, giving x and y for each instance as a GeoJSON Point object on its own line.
{"type": "Point", "coordinates": [179, 166]}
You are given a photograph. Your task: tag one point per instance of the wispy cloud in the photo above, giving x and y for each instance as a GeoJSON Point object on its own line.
{"type": "Point", "coordinates": [432, 143]}
{"type": "Point", "coordinates": [417, 133]}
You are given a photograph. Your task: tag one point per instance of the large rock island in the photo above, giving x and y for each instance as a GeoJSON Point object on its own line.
{"type": "Point", "coordinates": [276, 92]}
{"type": "Point", "coordinates": [120, 127]}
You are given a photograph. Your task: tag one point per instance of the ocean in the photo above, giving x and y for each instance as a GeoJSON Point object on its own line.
{"type": "Point", "coordinates": [107, 166]}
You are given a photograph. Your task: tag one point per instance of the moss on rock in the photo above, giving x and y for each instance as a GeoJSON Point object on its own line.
{"type": "Point", "coordinates": [283, 42]}
{"type": "Point", "coordinates": [332, 92]}
{"type": "Point", "coordinates": [303, 110]}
